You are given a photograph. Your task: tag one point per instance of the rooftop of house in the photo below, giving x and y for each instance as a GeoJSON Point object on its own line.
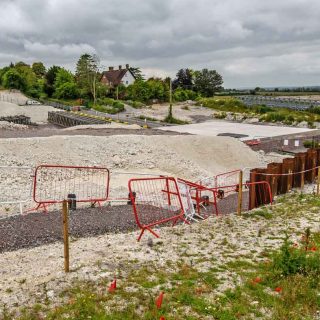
{"type": "Point", "coordinates": [115, 76]}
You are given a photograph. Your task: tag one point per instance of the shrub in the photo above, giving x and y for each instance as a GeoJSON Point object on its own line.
{"type": "Point", "coordinates": [174, 120]}
{"type": "Point", "coordinates": [183, 95]}
{"type": "Point", "coordinates": [220, 115]}
{"type": "Point", "coordinates": [311, 144]}
{"type": "Point", "coordinates": [135, 104]}
{"type": "Point", "coordinates": [297, 260]}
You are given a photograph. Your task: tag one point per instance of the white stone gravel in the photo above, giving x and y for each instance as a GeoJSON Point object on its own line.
{"type": "Point", "coordinates": [28, 275]}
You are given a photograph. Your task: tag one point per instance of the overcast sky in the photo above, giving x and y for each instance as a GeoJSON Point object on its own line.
{"type": "Point", "coordinates": [250, 42]}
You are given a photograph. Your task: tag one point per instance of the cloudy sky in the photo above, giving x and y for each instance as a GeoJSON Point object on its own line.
{"type": "Point", "coordinates": [250, 42]}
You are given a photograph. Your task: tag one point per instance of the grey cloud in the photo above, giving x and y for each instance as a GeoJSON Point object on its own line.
{"type": "Point", "coordinates": [250, 42]}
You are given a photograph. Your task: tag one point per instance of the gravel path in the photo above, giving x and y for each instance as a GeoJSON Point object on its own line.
{"type": "Point", "coordinates": [37, 229]}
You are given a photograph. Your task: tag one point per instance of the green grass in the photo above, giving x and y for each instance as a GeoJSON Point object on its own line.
{"type": "Point", "coordinates": [264, 113]}
{"type": "Point", "coordinates": [148, 118]}
{"type": "Point", "coordinates": [174, 120]}
{"type": "Point", "coordinates": [191, 293]}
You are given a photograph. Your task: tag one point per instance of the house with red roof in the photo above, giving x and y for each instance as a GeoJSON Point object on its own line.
{"type": "Point", "coordinates": [112, 78]}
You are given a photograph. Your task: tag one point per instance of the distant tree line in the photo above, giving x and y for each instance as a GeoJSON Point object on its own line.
{"type": "Point", "coordinates": [59, 83]}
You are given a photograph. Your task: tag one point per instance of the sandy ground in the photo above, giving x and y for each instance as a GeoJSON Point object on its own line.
{"type": "Point", "coordinates": [216, 127]}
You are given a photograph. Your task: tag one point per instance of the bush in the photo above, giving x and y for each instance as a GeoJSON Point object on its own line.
{"type": "Point", "coordinates": [224, 104]}
{"type": "Point", "coordinates": [109, 105]}
{"type": "Point", "coordinates": [311, 144]}
{"type": "Point", "coordinates": [135, 104]}
{"type": "Point", "coordinates": [183, 95]}
{"type": "Point", "coordinates": [173, 120]}
{"type": "Point", "coordinates": [273, 117]}
{"type": "Point", "coordinates": [297, 260]}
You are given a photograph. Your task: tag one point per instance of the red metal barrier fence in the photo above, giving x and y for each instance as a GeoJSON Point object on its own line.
{"type": "Point", "coordinates": [53, 184]}
{"type": "Point", "coordinates": [155, 201]}
{"type": "Point", "coordinates": [202, 195]}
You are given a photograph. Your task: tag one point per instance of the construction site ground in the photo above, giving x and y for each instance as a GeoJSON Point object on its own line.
{"type": "Point", "coordinates": [103, 241]}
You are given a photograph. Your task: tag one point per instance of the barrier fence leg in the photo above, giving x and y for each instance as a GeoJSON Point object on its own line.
{"type": "Point", "coordinates": [65, 235]}
{"type": "Point", "coordinates": [240, 192]}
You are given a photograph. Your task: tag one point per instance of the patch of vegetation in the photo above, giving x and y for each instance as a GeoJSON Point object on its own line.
{"type": "Point", "coordinates": [284, 285]}
{"type": "Point", "coordinates": [108, 105]}
{"type": "Point", "coordinates": [135, 104]}
{"type": "Point", "coordinates": [184, 95]}
{"type": "Point", "coordinates": [311, 144]}
{"type": "Point", "coordinates": [265, 113]}
{"type": "Point", "coordinates": [220, 115]}
{"type": "Point", "coordinates": [148, 118]}
{"type": "Point", "coordinates": [173, 120]}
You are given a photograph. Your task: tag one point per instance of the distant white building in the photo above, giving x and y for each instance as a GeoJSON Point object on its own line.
{"type": "Point", "coordinates": [113, 78]}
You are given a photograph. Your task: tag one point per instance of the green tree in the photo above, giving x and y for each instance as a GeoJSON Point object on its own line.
{"type": "Point", "coordinates": [65, 85]}
{"type": "Point", "coordinates": [2, 73]}
{"type": "Point", "coordinates": [39, 69]}
{"type": "Point", "coordinates": [137, 73]}
{"type": "Point", "coordinates": [28, 75]}
{"type": "Point", "coordinates": [207, 82]}
{"type": "Point", "coordinates": [140, 90]}
{"type": "Point", "coordinates": [87, 75]}
{"type": "Point", "coordinates": [50, 78]}
{"type": "Point", "coordinates": [12, 79]}
{"type": "Point", "coordinates": [184, 79]}
{"type": "Point", "coordinates": [158, 89]}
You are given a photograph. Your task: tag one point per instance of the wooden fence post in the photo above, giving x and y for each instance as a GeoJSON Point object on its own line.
{"type": "Point", "coordinates": [240, 192]}
{"type": "Point", "coordinates": [65, 235]}
{"type": "Point", "coordinates": [318, 182]}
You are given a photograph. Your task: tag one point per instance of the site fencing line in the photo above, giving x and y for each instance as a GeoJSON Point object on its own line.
{"type": "Point", "coordinates": [55, 183]}
{"type": "Point", "coordinates": [285, 174]}
{"type": "Point", "coordinates": [133, 175]}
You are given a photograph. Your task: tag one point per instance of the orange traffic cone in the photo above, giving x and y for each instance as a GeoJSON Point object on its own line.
{"type": "Point", "coordinates": [159, 300]}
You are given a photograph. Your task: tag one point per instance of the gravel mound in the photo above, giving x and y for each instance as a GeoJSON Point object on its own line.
{"type": "Point", "coordinates": [12, 126]}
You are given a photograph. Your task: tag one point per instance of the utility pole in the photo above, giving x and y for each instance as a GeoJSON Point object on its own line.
{"type": "Point", "coordinates": [170, 100]}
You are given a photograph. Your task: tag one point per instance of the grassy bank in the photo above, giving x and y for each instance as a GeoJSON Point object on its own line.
{"type": "Point", "coordinates": [269, 282]}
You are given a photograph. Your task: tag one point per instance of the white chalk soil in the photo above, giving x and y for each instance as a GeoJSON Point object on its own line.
{"type": "Point", "coordinates": [13, 104]}
{"type": "Point", "coordinates": [112, 125]}
{"type": "Point", "coordinates": [183, 111]}
{"type": "Point", "coordinates": [189, 157]}
{"type": "Point", "coordinates": [250, 131]}
{"type": "Point", "coordinates": [36, 275]}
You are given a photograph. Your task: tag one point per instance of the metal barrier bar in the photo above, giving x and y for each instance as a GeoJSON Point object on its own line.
{"type": "Point", "coordinates": [53, 183]}
{"type": "Point", "coordinates": [151, 204]}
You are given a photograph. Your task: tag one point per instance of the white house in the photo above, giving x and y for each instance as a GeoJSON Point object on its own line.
{"type": "Point", "coordinates": [113, 78]}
